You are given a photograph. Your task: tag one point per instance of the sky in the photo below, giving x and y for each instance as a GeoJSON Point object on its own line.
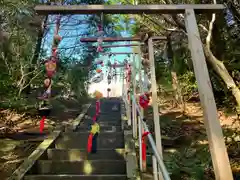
{"type": "Point", "coordinates": [71, 30]}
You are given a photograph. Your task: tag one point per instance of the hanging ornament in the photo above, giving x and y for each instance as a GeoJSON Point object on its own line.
{"type": "Point", "coordinates": [100, 40]}
{"type": "Point", "coordinates": [115, 65]}
{"type": "Point", "coordinates": [100, 30]}
{"type": "Point", "coordinates": [109, 78]}
{"type": "Point", "coordinates": [47, 82]}
{"type": "Point", "coordinates": [100, 33]}
{"type": "Point", "coordinates": [98, 94]}
{"type": "Point", "coordinates": [125, 62]}
{"type": "Point", "coordinates": [98, 70]}
{"type": "Point", "coordinates": [229, 17]}
{"type": "Point", "coordinates": [97, 78]}
{"type": "Point", "coordinates": [144, 100]}
{"type": "Point", "coordinates": [231, 23]}
{"type": "Point", "coordinates": [54, 51]}
{"type": "Point", "coordinates": [108, 92]}
{"type": "Point", "coordinates": [100, 26]}
{"type": "Point", "coordinates": [109, 63]}
{"type": "Point", "coordinates": [57, 40]}
{"type": "Point", "coordinates": [47, 87]}
{"type": "Point", "coordinates": [99, 47]}
{"type": "Point", "coordinates": [99, 62]}
{"type": "Point", "coordinates": [51, 66]}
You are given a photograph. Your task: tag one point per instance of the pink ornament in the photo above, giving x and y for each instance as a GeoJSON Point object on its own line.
{"type": "Point", "coordinates": [100, 40]}
{"type": "Point", "coordinates": [99, 49]}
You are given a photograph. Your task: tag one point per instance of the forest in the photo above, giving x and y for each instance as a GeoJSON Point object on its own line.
{"type": "Point", "coordinates": [25, 40]}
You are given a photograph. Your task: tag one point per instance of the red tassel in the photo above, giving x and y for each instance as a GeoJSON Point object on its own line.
{"type": "Point", "coordinates": [89, 145]}
{"type": "Point", "coordinates": [144, 146]}
{"type": "Point", "coordinates": [97, 107]}
{"type": "Point", "coordinates": [42, 124]}
{"type": "Point", "coordinates": [144, 151]}
{"type": "Point", "coordinates": [145, 134]}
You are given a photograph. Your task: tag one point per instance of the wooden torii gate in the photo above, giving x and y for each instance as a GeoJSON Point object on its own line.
{"type": "Point", "coordinates": [217, 146]}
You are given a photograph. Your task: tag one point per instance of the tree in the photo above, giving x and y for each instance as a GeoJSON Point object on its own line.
{"type": "Point", "coordinates": [25, 42]}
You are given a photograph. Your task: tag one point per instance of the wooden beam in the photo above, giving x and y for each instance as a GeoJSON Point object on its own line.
{"type": "Point", "coordinates": [111, 39]}
{"type": "Point", "coordinates": [117, 53]}
{"type": "Point", "coordinates": [216, 143]}
{"type": "Point", "coordinates": [155, 38]}
{"type": "Point", "coordinates": [117, 45]}
{"type": "Point", "coordinates": [127, 9]}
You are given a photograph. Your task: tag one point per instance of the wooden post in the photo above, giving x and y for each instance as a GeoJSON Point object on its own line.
{"type": "Point", "coordinates": [135, 127]}
{"type": "Point", "coordinates": [144, 162]}
{"type": "Point", "coordinates": [154, 97]}
{"type": "Point", "coordinates": [156, 118]}
{"type": "Point", "coordinates": [217, 146]}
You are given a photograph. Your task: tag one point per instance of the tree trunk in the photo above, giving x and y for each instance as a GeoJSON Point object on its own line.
{"type": "Point", "coordinates": [222, 71]}
{"type": "Point", "coordinates": [36, 54]}
{"type": "Point", "coordinates": [177, 91]}
{"type": "Point", "coordinates": [219, 67]}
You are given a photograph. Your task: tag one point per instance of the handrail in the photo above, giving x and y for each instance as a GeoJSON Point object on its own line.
{"type": "Point", "coordinates": [151, 140]}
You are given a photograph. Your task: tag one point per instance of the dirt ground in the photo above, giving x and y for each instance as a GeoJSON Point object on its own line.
{"type": "Point", "coordinates": [19, 133]}
{"type": "Point", "coordinates": [185, 143]}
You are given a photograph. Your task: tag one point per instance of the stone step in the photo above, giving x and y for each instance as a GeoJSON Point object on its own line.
{"type": "Point", "coordinates": [105, 119]}
{"type": "Point", "coordinates": [86, 128]}
{"type": "Point", "coordinates": [78, 140]}
{"type": "Point", "coordinates": [101, 123]}
{"type": "Point", "coordinates": [93, 167]}
{"type": "Point", "coordinates": [75, 177]}
{"type": "Point", "coordinates": [110, 117]}
{"type": "Point", "coordinates": [81, 154]}
{"type": "Point", "coordinates": [110, 108]}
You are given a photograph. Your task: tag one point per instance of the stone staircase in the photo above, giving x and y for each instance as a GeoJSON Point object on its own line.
{"type": "Point", "coordinates": [69, 159]}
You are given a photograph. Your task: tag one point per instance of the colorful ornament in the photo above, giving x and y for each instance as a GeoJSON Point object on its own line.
{"type": "Point", "coordinates": [100, 40]}
{"type": "Point", "coordinates": [47, 82]}
{"type": "Point", "coordinates": [57, 39]}
{"type": "Point", "coordinates": [97, 78]}
{"type": "Point", "coordinates": [98, 70]}
{"type": "Point", "coordinates": [51, 66]}
{"type": "Point", "coordinates": [99, 48]}
{"type": "Point", "coordinates": [98, 94]}
{"type": "Point", "coordinates": [144, 100]}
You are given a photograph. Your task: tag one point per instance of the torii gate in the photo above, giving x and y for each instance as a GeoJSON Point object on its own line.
{"type": "Point", "coordinates": [217, 146]}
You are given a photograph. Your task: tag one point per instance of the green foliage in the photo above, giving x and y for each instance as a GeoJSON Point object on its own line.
{"type": "Point", "coordinates": [19, 69]}
{"type": "Point", "coordinates": [188, 83]}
